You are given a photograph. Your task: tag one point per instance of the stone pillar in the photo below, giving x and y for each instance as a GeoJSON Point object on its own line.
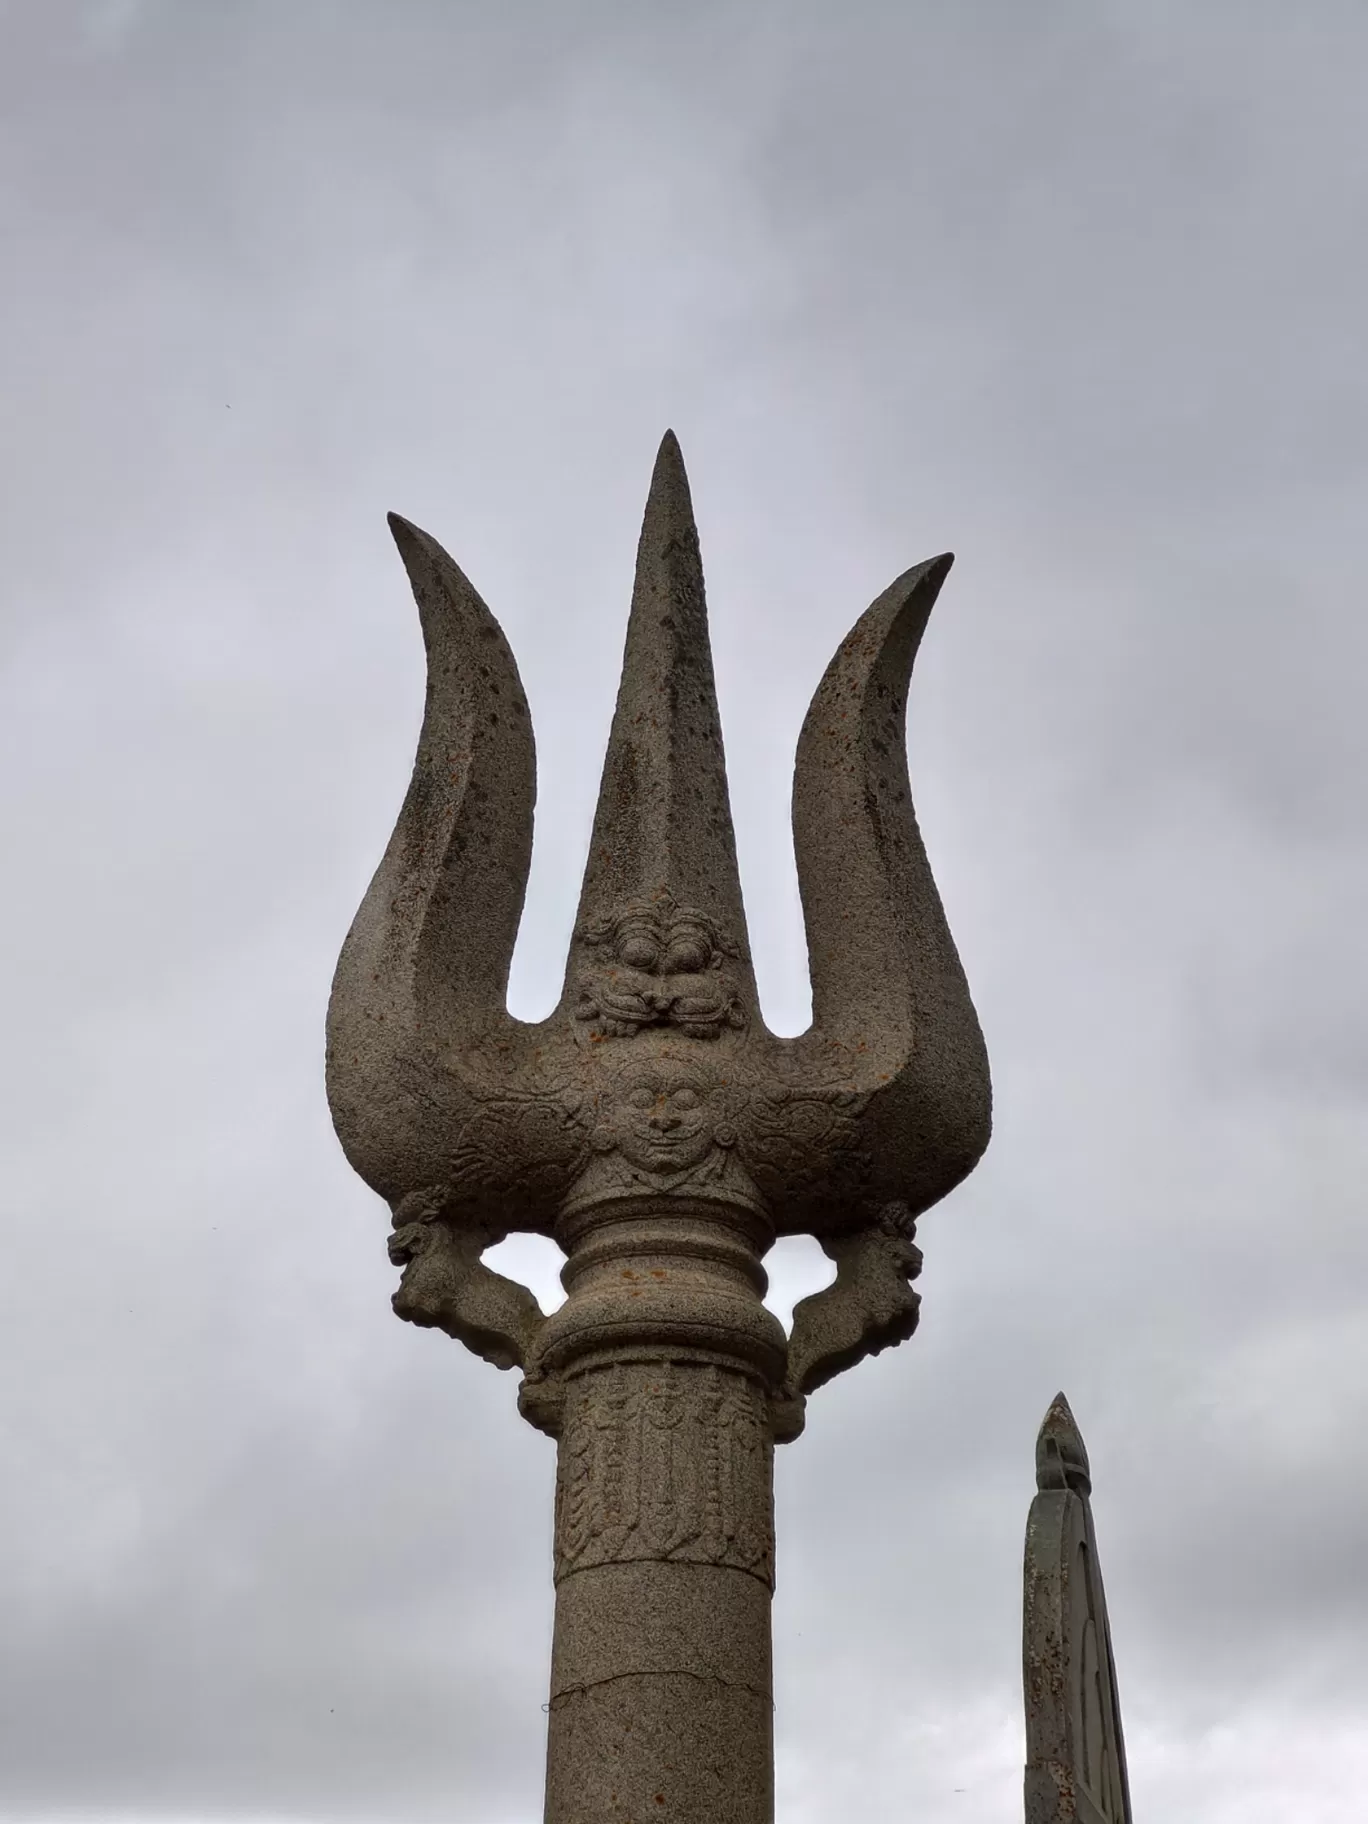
{"type": "Point", "coordinates": [667, 1364]}
{"type": "Point", "coordinates": [660, 1132]}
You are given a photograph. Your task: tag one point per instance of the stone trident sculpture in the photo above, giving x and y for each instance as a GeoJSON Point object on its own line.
{"type": "Point", "coordinates": [660, 1134]}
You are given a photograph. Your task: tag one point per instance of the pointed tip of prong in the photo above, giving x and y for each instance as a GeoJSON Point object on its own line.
{"type": "Point", "coordinates": [663, 826]}
{"type": "Point", "coordinates": [1061, 1455]}
{"type": "Point", "coordinates": [431, 573]}
{"type": "Point", "coordinates": [410, 539]}
{"type": "Point", "coordinates": [922, 579]}
{"type": "Point", "coordinates": [669, 496]}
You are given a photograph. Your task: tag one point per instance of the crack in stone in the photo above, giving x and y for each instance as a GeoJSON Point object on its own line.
{"type": "Point", "coordinates": [702, 1678]}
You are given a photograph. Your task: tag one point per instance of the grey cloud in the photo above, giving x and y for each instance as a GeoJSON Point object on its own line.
{"type": "Point", "coordinates": [1079, 296]}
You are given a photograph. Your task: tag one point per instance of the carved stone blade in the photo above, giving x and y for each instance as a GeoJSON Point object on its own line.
{"type": "Point", "coordinates": [424, 970]}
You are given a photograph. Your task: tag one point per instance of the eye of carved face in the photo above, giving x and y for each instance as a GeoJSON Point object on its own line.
{"type": "Point", "coordinates": [638, 948]}
{"type": "Point", "coordinates": [689, 954]}
{"type": "Point", "coordinates": [663, 1103]}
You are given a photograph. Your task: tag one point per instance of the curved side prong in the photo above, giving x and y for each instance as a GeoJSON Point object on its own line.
{"type": "Point", "coordinates": [892, 1017]}
{"type": "Point", "coordinates": [424, 970]}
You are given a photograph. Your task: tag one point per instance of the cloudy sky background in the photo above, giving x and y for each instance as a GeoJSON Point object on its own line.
{"type": "Point", "coordinates": [1078, 291]}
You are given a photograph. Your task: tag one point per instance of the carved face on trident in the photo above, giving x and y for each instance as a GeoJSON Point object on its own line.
{"type": "Point", "coordinates": [655, 1128]}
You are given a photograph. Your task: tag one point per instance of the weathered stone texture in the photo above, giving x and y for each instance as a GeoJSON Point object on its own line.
{"type": "Point", "coordinates": [660, 1133]}
{"type": "Point", "coordinates": [1075, 1749]}
{"type": "Point", "coordinates": [667, 1462]}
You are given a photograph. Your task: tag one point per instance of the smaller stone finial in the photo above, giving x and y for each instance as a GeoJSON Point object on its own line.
{"type": "Point", "coordinates": [1075, 1748]}
{"type": "Point", "coordinates": [1061, 1454]}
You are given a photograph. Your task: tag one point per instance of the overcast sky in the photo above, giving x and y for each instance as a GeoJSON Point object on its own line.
{"type": "Point", "coordinates": [1075, 290]}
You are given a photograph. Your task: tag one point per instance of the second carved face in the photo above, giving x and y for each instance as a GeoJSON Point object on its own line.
{"type": "Point", "coordinates": [662, 1117]}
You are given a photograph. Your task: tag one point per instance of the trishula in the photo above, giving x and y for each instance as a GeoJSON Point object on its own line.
{"type": "Point", "coordinates": [661, 1135]}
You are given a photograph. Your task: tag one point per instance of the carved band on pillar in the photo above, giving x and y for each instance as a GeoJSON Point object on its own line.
{"type": "Point", "coordinates": [665, 1460]}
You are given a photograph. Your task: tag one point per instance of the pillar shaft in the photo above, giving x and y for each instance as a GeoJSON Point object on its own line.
{"type": "Point", "coordinates": [661, 1692]}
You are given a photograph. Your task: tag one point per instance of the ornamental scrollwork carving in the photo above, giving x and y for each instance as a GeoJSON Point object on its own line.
{"type": "Point", "coordinates": [668, 1461]}
{"type": "Point", "coordinates": [793, 1133]}
{"type": "Point", "coordinates": [518, 1147]}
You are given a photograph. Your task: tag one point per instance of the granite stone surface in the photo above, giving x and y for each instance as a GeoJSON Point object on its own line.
{"type": "Point", "coordinates": [1075, 1749]}
{"type": "Point", "coordinates": [660, 1134]}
